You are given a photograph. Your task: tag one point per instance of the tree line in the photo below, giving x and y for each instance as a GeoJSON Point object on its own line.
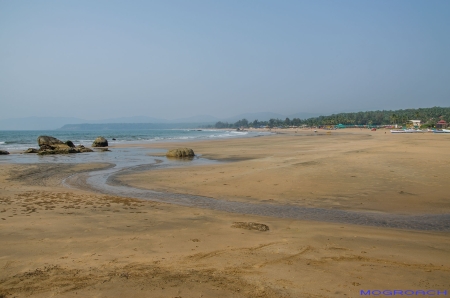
{"type": "Point", "coordinates": [428, 117]}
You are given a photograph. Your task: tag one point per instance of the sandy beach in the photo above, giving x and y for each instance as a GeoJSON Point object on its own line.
{"type": "Point", "coordinates": [67, 242]}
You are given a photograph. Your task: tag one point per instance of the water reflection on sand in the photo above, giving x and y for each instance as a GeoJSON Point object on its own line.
{"type": "Point", "coordinates": [130, 160]}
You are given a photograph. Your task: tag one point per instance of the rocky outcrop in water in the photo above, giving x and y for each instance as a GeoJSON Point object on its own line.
{"type": "Point", "coordinates": [3, 152]}
{"type": "Point", "coordinates": [180, 153]}
{"type": "Point", "coordinates": [100, 142]}
{"type": "Point", "coordinates": [50, 145]}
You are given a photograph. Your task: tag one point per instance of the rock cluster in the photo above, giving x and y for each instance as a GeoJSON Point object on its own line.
{"type": "Point", "coordinates": [3, 152]}
{"type": "Point", "coordinates": [100, 142]}
{"type": "Point", "coordinates": [51, 145]}
{"type": "Point", "coordinates": [180, 153]}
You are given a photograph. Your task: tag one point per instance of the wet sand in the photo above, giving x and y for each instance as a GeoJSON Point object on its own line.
{"type": "Point", "coordinates": [70, 243]}
{"type": "Point", "coordinates": [349, 170]}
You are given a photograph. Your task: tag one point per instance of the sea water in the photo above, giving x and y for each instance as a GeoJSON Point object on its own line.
{"type": "Point", "coordinates": [20, 140]}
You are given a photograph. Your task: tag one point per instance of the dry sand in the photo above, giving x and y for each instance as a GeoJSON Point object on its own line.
{"type": "Point", "coordinates": [59, 242]}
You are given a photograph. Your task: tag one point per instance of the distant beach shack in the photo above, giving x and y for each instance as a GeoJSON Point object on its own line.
{"type": "Point", "coordinates": [415, 122]}
{"type": "Point", "coordinates": [441, 124]}
{"type": "Point", "coordinates": [341, 126]}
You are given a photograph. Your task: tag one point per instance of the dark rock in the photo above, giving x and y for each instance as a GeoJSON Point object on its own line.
{"type": "Point", "coordinates": [31, 150]}
{"type": "Point", "coordinates": [180, 153]}
{"type": "Point", "coordinates": [47, 140]}
{"type": "Point", "coordinates": [70, 144]}
{"type": "Point", "coordinates": [100, 142]}
{"type": "Point", "coordinates": [3, 152]}
{"type": "Point", "coordinates": [250, 226]}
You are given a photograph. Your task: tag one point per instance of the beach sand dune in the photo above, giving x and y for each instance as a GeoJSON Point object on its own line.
{"type": "Point", "coordinates": [60, 242]}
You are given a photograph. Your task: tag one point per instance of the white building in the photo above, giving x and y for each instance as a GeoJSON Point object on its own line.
{"type": "Point", "coordinates": [415, 122]}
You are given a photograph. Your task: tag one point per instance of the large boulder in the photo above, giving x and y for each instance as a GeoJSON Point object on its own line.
{"type": "Point", "coordinates": [100, 142]}
{"type": "Point", "coordinates": [47, 140]}
{"type": "Point", "coordinates": [180, 153]}
{"type": "Point", "coordinates": [3, 152]}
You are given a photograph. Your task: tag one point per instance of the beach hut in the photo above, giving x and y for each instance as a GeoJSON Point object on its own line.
{"type": "Point", "coordinates": [441, 124]}
{"type": "Point", "coordinates": [340, 126]}
{"type": "Point", "coordinates": [415, 123]}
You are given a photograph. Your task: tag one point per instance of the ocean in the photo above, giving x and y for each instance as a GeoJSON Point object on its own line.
{"type": "Point", "coordinates": [18, 140]}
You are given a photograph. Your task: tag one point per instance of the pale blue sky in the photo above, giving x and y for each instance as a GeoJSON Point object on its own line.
{"type": "Point", "coordinates": [173, 59]}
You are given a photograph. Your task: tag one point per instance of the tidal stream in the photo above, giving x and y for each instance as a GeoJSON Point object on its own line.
{"type": "Point", "coordinates": [130, 160]}
{"type": "Point", "coordinates": [105, 181]}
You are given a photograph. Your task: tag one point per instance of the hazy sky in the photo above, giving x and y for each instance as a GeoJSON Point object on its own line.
{"type": "Point", "coordinates": [172, 59]}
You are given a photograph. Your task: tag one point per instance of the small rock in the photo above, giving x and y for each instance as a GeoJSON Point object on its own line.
{"type": "Point", "coordinates": [250, 226]}
{"type": "Point", "coordinates": [31, 150]}
{"type": "Point", "coordinates": [3, 152]}
{"type": "Point", "coordinates": [100, 142]}
{"type": "Point", "coordinates": [70, 144]}
{"type": "Point", "coordinates": [180, 153]}
{"type": "Point", "coordinates": [81, 149]}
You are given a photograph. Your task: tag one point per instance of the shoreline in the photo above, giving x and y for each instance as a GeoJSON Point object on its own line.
{"type": "Point", "coordinates": [71, 243]}
{"type": "Point", "coordinates": [119, 137]}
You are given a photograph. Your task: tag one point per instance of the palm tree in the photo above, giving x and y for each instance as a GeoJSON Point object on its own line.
{"type": "Point", "coordinates": [394, 118]}
{"type": "Point", "coordinates": [404, 119]}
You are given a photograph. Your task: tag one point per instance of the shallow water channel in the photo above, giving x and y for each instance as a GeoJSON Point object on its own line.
{"type": "Point", "coordinates": [130, 160]}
